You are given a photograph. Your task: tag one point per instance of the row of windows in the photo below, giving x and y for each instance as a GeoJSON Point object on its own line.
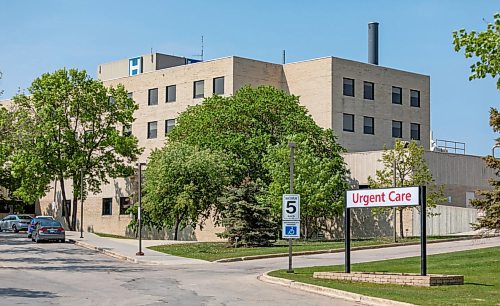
{"type": "Point", "coordinates": [369, 127]}
{"type": "Point", "coordinates": [107, 206]}
{"type": "Point", "coordinates": [153, 128]}
{"type": "Point", "coordinates": [198, 91]}
{"type": "Point", "coordinates": [369, 92]}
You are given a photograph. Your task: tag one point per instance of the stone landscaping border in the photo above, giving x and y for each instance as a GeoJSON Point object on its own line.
{"type": "Point", "coordinates": [406, 279]}
{"type": "Point", "coordinates": [330, 292]}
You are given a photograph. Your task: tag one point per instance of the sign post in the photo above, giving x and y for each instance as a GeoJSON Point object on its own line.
{"type": "Point", "coordinates": [388, 197]}
{"type": "Point", "coordinates": [290, 222]}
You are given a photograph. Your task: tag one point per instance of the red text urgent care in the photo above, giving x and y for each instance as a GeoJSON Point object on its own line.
{"type": "Point", "coordinates": [382, 197]}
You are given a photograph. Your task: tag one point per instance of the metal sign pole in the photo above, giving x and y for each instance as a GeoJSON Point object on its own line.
{"type": "Point", "coordinates": [423, 231]}
{"type": "Point", "coordinates": [292, 147]}
{"type": "Point", "coordinates": [347, 237]}
{"type": "Point", "coordinates": [139, 217]}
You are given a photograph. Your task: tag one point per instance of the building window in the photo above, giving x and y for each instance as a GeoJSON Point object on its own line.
{"type": "Point", "coordinates": [396, 95]}
{"type": "Point", "coordinates": [127, 130]}
{"type": "Point", "coordinates": [169, 125]}
{"type": "Point", "coordinates": [348, 123]}
{"type": "Point", "coordinates": [107, 204]}
{"type": "Point", "coordinates": [415, 131]}
{"type": "Point", "coordinates": [124, 205]}
{"type": "Point", "coordinates": [152, 129]}
{"type": "Point", "coordinates": [219, 86]}
{"type": "Point", "coordinates": [111, 101]}
{"type": "Point", "coordinates": [369, 91]}
{"type": "Point", "coordinates": [198, 89]}
{"type": "Point", "coordinates": [130, 95]}
{"type": "Point", "coordinates": [171, 93]}
{"type": "Point", "coordinates": [397, 129]}
{"type": "Point", "coordinates": [153, 96]}
{"type": "Point", "coordinates": [348, 87]}
{"type": "Point", "coordinates": [368, 125]}
{"type": "Point", "coordinates": [415, 98]}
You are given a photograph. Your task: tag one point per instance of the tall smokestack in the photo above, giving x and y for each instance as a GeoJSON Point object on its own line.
{"type": "Point", "coordinates": [373, 43]}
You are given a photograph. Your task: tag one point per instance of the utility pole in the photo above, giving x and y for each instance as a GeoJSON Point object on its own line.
{"type": "Point", "coordinates": [81, 205]}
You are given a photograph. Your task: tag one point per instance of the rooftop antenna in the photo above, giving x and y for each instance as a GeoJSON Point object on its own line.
{"type": "Point", "coordinates": [200, 55]}
{"type": "Point", "coordinates": [284, 57]}
{"type": "Point", "coordinates": [151, 55]}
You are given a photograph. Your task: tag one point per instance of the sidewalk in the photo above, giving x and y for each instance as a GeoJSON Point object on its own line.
{"type": "Point", "coordinates": [125, 249]}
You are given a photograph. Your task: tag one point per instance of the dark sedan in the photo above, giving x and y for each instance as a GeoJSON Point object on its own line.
{"type": "Point", "coordinates": [47, 230]}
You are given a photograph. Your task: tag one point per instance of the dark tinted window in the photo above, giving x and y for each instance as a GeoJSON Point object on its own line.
{"type": "Point", "coordinates": [124, 205]}
{"type": "Point", "coordinates": [348, 87]}
{"type": "Point", "coordinates": [25, 217]}
{"type": "Point", "coordinates": [415, 131]}
{"type": "Point", "coordinates": [171, 93]}
{"type": "Point", "coordinates": [152, 129]}
{"type": "Point", "coordinates": [169, 125]}
{"type": "Point", "coordinates": [198, 89]}
{"type": "Point", "coordinates": [127, 130]}
{"type": "Point", "coordinates": [396, 95]}
{"type": "Point", "coordinates": [397, 129]}
{"type": "Point", "coordinates": [219, 86]}
{"type": "Point", "coordinates": [415, 98]}
{"type": "Point", "coordinates": [368, 125]}
{"type": "Point", "coordinates": [107, 204]}
{"type": "Point", "coordinates": [153, 96]}
{"type": "Point", "coordinates": [46, 222]}
{"type": "Point", "coordinates": [369, 91]}
{"type": "Point", "coordinates": [348, 123]}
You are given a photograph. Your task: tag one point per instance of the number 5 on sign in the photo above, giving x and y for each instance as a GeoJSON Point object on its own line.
{"type": "Point", "coordinates": [291, 207]}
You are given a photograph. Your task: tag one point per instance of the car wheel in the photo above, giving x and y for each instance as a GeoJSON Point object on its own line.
{"type": "Point", "coordinates": [29, 235]}
{"type": "Point", "coordinates": [14, 228]}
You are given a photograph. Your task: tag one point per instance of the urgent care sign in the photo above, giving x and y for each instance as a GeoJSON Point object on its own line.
{"type": "Point", "coordinates": [405, 196]}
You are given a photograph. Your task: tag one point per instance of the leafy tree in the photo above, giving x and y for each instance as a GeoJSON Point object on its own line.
{"type": "Point", "coordinates": [7, 137]}
{"type": "Point", "coordinates": [243, 125]}
{"type": "Point", "coordinates": [407, 161]}
{"type": "Point", "coordinates": [485, 46]}
{"type": "Point", "coordinates": [74, 122]}
{"type": "Point", "coordinates": [182, 183]}
{"type": "Point", "coordinates": [320, 177]}
{"type": "Point", "coordinates": [244, 217]}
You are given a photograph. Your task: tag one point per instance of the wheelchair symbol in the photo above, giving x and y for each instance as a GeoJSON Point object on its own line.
{"type": "Point", "coordinates": [290, 230]}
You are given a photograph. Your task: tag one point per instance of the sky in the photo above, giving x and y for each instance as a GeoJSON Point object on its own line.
{"type": "Point", "coordinates": [43, 36]}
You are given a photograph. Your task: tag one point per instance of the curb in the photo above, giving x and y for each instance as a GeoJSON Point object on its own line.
{"type": "Point", "coordinates": [330, 292]}
{"type": "Point", "coordinates": [103, 251]}
{"type": "Point", "coordinates": [370, 247]}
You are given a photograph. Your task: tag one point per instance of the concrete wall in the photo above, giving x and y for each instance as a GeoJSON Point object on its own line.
{"type": "Point", "coordinates": [446, 220]}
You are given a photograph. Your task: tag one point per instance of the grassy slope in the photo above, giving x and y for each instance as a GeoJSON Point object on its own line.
{"type": "Point", "coordinates": [481, 269]}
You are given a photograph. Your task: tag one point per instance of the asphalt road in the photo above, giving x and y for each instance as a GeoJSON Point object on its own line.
{"type": "Point", "coordinates": [65, 274]}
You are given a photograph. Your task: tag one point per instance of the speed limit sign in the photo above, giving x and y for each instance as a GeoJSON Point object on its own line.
{"type": "Point", "coordinates": [291, 207]}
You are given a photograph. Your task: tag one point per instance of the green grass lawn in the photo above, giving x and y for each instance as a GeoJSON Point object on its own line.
{"type": "Point", "coordinates": [218, 250]}
{"type": "Point", "coordinates": [481, 270]}
{"type": "Point", "coordinates": [104, 235]}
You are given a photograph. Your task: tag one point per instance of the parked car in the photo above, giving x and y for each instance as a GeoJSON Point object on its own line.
{"type": "Point", "coordinates": [34, 222]}
{"type": "Point", "coordinates": [47, 229]}
{"type": "Point", "coordinates": [15, 223]}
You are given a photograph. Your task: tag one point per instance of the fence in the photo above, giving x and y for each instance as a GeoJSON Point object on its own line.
{"type": "Point", "coordinates": [449, 220]}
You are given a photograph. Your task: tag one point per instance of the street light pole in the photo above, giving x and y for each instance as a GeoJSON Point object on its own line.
{"type": "Point", "coordinates": [139, 217]}
{"type": "Point", "coordinates": [81, 205]}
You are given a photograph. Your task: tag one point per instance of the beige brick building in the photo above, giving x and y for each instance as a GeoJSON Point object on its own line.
{"type": "Point", "coordinates": [366, 105]}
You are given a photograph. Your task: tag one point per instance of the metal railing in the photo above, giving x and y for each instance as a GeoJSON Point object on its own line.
{"type": "Point", "coordinates": [451, 146]}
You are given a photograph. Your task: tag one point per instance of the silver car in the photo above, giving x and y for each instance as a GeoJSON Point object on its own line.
{"type": "Point", "coordinates": [15, 223]}
{"type": "Point", "coordinates": [47, 229]}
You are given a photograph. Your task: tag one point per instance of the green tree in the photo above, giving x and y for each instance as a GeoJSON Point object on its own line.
{"type": "Point", "coordinates": [320, 177]}
{"type": "Point", "coordinates": [244, 218]}
{"type": "Point", "coordinates": [404, 166]}
{"type": "Point", "coordinates": [7, 140]}
{"type": "Point", "coordinates": [181, 185]}
{"type": "Point", "coordinates": [243, 125]}
{"type": "Point", "coordinates": [74, 122]}
{"type": "Point", "coordinates": [485, 46]}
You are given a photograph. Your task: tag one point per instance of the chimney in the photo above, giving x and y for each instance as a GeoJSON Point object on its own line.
{"type": "Point", "coordinates": [373, 43]}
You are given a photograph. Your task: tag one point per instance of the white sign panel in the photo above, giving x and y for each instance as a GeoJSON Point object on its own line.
{"type": "Point", "coordinates": [291, 229]}
{"type": "Point", "coordinates": [291, 207]}
{"type": "Point", "coordinates": [406, 196]}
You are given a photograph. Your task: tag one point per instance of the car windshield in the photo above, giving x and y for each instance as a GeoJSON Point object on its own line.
{"type": "Point", "coordinates": [50, 223]}
{"type": "Point", "coordinates": [25, 217]}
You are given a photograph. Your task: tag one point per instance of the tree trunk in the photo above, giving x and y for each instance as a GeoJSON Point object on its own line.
{"type": "Point", "coordinates": [75, 206]}
{"type": "Point", "coordinates": [401, 227]}
{"type": "Point", "coordinates": [67, 208]}
{"type": "Point", "coordinates": [177, 223]}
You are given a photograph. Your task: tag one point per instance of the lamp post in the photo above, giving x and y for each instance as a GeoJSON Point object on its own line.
{"type": "Point", "coordinates": [139, 217]}
{"type": "Point", "coordinates": [81, 205]}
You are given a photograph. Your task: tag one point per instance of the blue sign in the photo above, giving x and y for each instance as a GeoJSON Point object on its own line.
{"type": "Point", "coordinates": [291, 229]}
